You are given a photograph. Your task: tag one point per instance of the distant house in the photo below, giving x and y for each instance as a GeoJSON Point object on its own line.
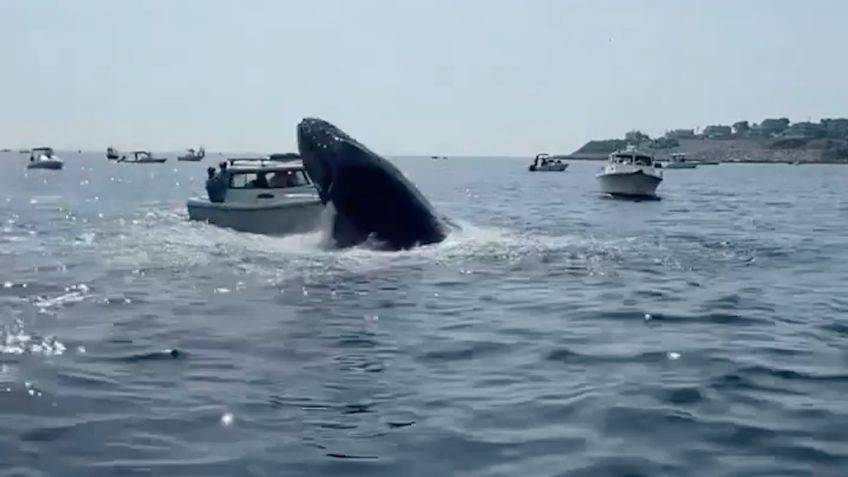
{"type": "Point", "coordinates": [718, 132]}
{"type": "Point", "coordinates": [636, 137]}
{"type": "Point", "coordinates": [805, 130]}
{"type": "Point", "coordinates": [758, 131]}
{"type": "Point", "coordinates": [772, 127]}
{"type": "Point", "coordinates": [741, 128]}
{"type": "Point", "coordinates": [680, 134]}
{"type": "Point", "coordinates": [837, 128]}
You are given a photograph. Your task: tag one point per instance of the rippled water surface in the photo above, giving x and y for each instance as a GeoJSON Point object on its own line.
{"type": "Point", "coordinates": [557, 333]}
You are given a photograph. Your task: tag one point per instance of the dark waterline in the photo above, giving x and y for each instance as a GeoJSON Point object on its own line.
{"type": "Point", "coordinates": [559, 333]}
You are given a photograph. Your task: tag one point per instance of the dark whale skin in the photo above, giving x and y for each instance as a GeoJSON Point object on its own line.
{"type": "Point", "coordinates": [373, 200]}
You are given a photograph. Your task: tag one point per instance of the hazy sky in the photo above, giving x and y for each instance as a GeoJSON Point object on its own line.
{"type": "Point", "coordinates": [503, 77]}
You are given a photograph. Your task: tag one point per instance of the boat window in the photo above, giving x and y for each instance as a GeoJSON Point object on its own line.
{"type": "Point", "coordinates": [281, 179]}
{"type": "Point", "coordinates": [268, 180]}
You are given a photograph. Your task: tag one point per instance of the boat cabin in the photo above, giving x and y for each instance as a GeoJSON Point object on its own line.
{"type": "Point", "coordinates": [142, 155]}
{"type": "Point", "coordinates": [632, 156]}
{"type": "Point", "coordinates": [545, 159]}
{"type": "Point", "coordinates": [678, 157]}
{"type": "Point", "coordinates": [254, 179]}
{"type": "Point", "coordinates": [41, 151]}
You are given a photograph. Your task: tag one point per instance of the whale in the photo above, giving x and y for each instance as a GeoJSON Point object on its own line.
{"type": "Point", "coordinates": [372, 199]}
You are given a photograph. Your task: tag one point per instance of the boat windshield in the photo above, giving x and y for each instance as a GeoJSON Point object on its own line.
{"type": "Point", "coordinates": [268, 180]}
{"type": "Point", "coordinates": [637, 159]}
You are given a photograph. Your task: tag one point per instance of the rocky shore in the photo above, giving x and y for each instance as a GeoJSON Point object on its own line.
{"type": "Point", "coordinates": [774, 141]}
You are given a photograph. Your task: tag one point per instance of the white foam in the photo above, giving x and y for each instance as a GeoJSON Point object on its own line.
{"type": "Point", "coordinates": [15, 340]}
{"type": "Point", "coordinates": [73, 294]}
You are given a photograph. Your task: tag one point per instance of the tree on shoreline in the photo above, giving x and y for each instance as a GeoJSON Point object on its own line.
{"type": "Point", "coordinates": [741, 128]}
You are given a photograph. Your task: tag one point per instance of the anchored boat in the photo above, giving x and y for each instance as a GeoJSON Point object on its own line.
{"type": "Point", "coordinates": [142, 157]}
{"type": "Point", "coordinates": [678, 160]}
{"type": "Point", "coordinates": [545, 163]}
{"type": "Point", "coordinates": [193, 156]}
{"type": "Point", "coordinates": [112, 154]}
{"type": "Point", "coordinates": [43, 158]}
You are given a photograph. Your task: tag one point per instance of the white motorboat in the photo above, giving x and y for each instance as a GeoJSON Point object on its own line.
{"type": "Point", "coordinates": [192, 155]}
{"type": "Point", "coordinates": [630, 173]}
{"type": "Point", "coordinates": [43, 158]}
{"type": "Point", "coordinates": [142, 157]}
{"type": "Point", "coordinates": [678, 160]}
{"type": "Point", "coordinates": [263, 196]}
{"type": "Point", "coordinates": [545, 163]}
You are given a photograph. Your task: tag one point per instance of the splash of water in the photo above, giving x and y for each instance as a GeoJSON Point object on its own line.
{"type": "Point", "coordinates": [16, 340]}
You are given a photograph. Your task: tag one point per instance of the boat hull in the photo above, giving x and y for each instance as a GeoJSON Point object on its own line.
{"type": "Point", "coordinates": [673, 165]}
{"type": "Point", "coordinates": [190, 158]}
{"type": "Point", "coordinates": [549, 168]}
{"type": "Point", "coordinates": [269, 219]}
{"type": "Point", "coordinates": [145, 161]}
{"type": "Point", "coordinates": [50, 164]}
{"type": "Point", "coordinates": [629, 184]}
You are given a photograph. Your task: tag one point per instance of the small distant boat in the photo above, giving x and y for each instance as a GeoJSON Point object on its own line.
{"type": "Point", "coordinates": [142, 157]}
{"type": "Point", "coordinates": [193, 156]}
{"type": "Point", "coordinates": [284, 203]}
{"type": "Point", "coordinates": [5, 149]}
{"type": "Point", "coordinates": [630, 173]}
{"type": "Point", "coordinates": [545, 163]}
{"type": "Point", "coordinates": [43, 158]}
{"type": "Point", "coordinates": [678, 161]}
{"type": "Point", "coordinates": [706, 162]}
{"type": "Point", "coordinates": [112, 154]}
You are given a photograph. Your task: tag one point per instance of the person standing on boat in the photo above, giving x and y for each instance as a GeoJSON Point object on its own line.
{"type": "Point", "coordinates": [216, 188]}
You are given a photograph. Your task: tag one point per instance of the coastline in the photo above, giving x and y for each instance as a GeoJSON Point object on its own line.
{"type": "Point", "coordinates": [738, 151]}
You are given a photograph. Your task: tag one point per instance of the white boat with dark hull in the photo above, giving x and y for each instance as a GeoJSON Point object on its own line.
{"type": "Point", "coordinates": [678, 160]}
{"type": "Point", "coordinates": [142, 157]}
{"type": "Point", "coordinates": [265, 197]}
{"type": "Point", "coordinates": [545, 163]}
{"type": "Point", "coordinates": [43, 158]}
{"type": "Point", "coordinates": [193, 156]}
{"type": "Point", "coordinates": [112, 154]}
{"type": "Point", "coordinates": [630, 173]}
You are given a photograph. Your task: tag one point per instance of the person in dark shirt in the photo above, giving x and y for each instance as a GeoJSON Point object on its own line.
{"type": "Point", "coordinates": [216, 188]}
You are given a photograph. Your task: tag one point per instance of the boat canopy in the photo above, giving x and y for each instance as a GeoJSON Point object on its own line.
{"type": "Point", "coordinates": [263, 164]}
{"type": "Point", "coordinates": [48, 150]}
{"type": "Point", "coordinates": [632, 156]}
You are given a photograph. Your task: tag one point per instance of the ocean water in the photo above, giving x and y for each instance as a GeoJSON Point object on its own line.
{"type": "Point", "coordinates": [558, 333]}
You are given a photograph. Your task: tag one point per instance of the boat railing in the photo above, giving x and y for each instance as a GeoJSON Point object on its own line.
{"type": "Point", "coordinates": [234, 160]}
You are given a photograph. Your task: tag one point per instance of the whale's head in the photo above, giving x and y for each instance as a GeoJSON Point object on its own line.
{"type": "Point", "coordinates": [371, 197]}
{"type": "Point", "coordinates": [325, 149]}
